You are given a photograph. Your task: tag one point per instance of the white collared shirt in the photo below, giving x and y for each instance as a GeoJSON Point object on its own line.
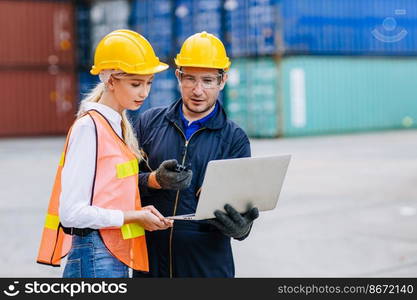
{"type": "Point", "coordinates": [78, 175]}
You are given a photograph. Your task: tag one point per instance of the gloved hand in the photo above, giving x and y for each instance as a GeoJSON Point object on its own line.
{"type": "Point", "coordinates": [234, 224]}
{"type": "Point", "coordinates": [171, 178]}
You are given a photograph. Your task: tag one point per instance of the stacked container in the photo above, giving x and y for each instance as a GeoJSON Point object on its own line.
{"type": "Point", "coordinates": [252, 91]}
{"type": "Point", "coordinates": [164, 92]}
{"type": "Point", "coordinates": [82, 17]}
{"type": "Point", "coordinates": [356, 27]}
{"type": "Point", "coordinates": [86, 81]}
{"type": "Point", "coordinates": [95, 19]}
{"type": "Point", "coordinates": [251, 96]}
{"type": "Point", "coordinates": [299, 67]}
{"type": "Point", "coordinates": [154, 19]}
{"type": "Point", "coordinates": [251, 27]}
{"type": "Point", "coordinates": [196, 16]}
{"type": "Point", "coordinates": [36, 67]}
{"type": "Point", "coordinates": [341, 66]}
{"type": "Point", "coordinates": [106, 16]}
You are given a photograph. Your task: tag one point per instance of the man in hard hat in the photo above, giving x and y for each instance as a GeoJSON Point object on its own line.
{"type": "Point", "coordinates": [193, 131]}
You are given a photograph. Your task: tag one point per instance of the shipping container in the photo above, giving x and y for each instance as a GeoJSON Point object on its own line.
{"type": "Point", "coordinates": [86, 82]}
{"type": "Point", "coordinates": [323, 95]}
{"type": "Point", "coordinates": [82, 14]}
{"type": "Point", "coordinates": [36, 33]}
{"type": "Point", "coordinates": [164, 92]}
{"type": "Point", "coordinates": [252, 96]}
{"type": "Point", "coordinates": [154, 19]}
{"type": "Point", "coordinates": [106, 16]}
{"type": "Point", "coordinates": [364, 27]}
{"type": "Point", "coordinates": [196, 16]}
{"type": "Point", "coordinates": [321, 27]}
{"type": "Point", "coordinates": [109, 11]}
{"type": "Point", "coordinates": [36, 102]}
{"type": "Point", "coordinates": [312, 95]}
{"type": "Point", "coordinates": [251, 27]}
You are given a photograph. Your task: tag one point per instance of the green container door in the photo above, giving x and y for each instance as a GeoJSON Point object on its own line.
{"type": "Point", "coordinates": [251, 96]}
{"type": "Point", "coordinates": [345, 94]}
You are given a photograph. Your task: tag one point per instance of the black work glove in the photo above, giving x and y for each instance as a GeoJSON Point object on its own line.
{"type": "Point", "coordinates": [170, 177]}
{"type": "Point", "coordinates": [234, 224]}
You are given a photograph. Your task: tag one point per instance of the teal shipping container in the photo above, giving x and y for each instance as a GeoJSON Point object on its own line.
{"type": "Point", "coordinates": [323, 95]}
{"type": "Point", "coordinates": [313, 95]}
{"type": "Point", "coordinates": [251, 96]}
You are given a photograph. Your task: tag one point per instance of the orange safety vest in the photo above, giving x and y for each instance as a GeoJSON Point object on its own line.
{"type": "Point", "coordinates": [115, 187]}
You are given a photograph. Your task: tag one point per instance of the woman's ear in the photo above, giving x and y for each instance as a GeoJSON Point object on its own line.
{"type": "Point", "coordinates": [110, 83]}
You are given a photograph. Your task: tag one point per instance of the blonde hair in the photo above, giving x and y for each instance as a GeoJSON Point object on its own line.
{"type": "Point", "coordinates": [129, 136]}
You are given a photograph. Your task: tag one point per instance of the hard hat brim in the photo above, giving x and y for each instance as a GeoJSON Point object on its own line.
{"type": "Point", "coordinates": [206, 66]}
{"type": "Point", "coordinates": [151, 70]}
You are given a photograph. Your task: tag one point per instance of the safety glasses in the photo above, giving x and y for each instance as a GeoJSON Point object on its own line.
{"type": "Point", "coordinates": [207, 82]}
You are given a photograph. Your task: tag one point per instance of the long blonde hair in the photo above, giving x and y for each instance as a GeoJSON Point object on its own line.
{"type": "Point", "coordinates": [129, 136]}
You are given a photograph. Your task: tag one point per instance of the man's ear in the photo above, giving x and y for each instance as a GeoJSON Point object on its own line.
{"type": "Point", "coordinates": [224, 79]}
{"type": "Point", "coordinates": [177, 73]}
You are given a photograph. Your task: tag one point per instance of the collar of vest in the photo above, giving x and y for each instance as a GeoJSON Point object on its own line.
{"type": "Point", "coordinates": [108, 122]}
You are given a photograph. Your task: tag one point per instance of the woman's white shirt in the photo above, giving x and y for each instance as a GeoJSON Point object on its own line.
{"type": "Point", "coordinates": [78, 175]}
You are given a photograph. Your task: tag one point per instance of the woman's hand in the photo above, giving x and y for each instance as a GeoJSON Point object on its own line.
{"type": "Point", "coordinates": [148, 217]}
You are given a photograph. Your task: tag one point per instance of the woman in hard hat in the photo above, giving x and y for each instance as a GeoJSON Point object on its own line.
{"type": "Point", "coordinates": [95, 214]}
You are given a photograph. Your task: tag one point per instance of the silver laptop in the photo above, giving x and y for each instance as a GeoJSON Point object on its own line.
{"type": "Point", "coordinates": [242, 183]}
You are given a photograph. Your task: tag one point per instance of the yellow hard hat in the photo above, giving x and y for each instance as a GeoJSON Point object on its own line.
{"type": "Point", "coordinates": [128, 51]}
{"type": "Point", "coordinates": [203, 50]}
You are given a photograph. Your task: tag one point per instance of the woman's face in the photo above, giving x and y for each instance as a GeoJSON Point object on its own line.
{"type": "Point", "coordinates": [130, 90]}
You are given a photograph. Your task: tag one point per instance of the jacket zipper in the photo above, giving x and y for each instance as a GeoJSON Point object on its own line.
{"type": "Point", "coordinates": [178, 193]}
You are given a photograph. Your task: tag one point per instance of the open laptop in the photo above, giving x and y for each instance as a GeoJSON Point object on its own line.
{"type": "Point", "coordinates": [242, 183]}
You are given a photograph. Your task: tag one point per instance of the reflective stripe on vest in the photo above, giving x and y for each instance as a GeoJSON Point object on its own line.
{"type": "Point", "coordinates": [115, 187]}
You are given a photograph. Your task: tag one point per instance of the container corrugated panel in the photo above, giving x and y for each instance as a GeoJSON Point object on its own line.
{"type": "Point", "coordinates": [106, 16]}
{"type": "Point", "coordinates": [355, 27]}
{"type": "Point", "coordinates": [82, 14]}
{"type": "Point", "coordinates": [109, 11]}
{"type": "Point", "coordinates": [36, 33]}
{"type": "Point", "coordinates": [252, 96]}
{"type": "Point", "coordinates": [196, 16]}
{"type": "Point", "coordinates": [164, 89]}
{"type": "Point", "coordinates": [36, 102]}
{"type": "Point", "coordinates": [346, 94]}
{"type": "Point", "coordinates": [154, 20]}
{"type": "Point", "coordinates": [251, 27]}
{"type": "Point", "coordinates": [86, 82]}
{"type": "Point", "coordinates": [163, 93]}
{"type": "Point", "coordinates": [184, 21]}
{"type": "Point", "coordinates": [237, 93]}
{"type": "Point", "coordinates": [236, 28]}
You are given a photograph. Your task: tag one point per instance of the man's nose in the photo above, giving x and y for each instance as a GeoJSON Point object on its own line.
{"type": "Point", "coordinates": [198, 88]}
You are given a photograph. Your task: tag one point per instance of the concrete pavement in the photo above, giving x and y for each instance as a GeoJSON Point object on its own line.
{"type": "Point", "coordinates": [348, 208]}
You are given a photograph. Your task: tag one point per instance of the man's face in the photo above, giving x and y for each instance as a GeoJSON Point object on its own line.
{"type": "Point", "coordinates": [200, 88]}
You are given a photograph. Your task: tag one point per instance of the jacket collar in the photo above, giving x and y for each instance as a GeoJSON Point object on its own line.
{"type": "Point", "coordinates": [218, 121]}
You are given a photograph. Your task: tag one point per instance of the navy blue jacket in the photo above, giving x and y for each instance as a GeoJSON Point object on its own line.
{"type": "Point", "coordinates": [190, 248]}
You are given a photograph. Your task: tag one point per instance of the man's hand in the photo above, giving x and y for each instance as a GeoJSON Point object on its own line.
{"type": "Point", "coordinates": [170, 177]}
{"type": "Point", "coordinates": [234, 224]}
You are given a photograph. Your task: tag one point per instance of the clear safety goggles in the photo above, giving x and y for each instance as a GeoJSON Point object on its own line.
{"type": "Point", "coordinates": [207, 81]}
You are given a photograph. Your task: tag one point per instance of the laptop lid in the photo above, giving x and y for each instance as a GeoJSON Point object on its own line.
{"type": "Point", "coordinates": [242, 183]}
